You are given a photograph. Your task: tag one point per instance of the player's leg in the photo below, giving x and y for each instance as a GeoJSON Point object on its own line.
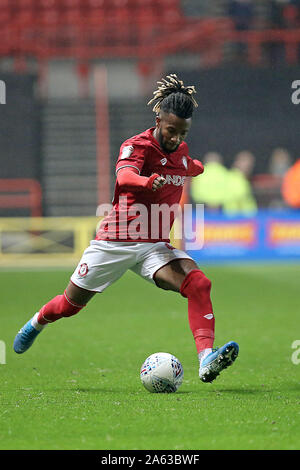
{"type": "Point", "coordinates": [183, 276]}
{"type": "Point", "coordinates": [172, 269]}
{"type": "Point", "coordinates": [69, 303]}
{"type": "Point", "coordinates": [101, 264]}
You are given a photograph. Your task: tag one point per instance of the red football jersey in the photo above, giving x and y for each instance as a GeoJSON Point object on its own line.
{"type": "Point", "coordinates": [145, 215]}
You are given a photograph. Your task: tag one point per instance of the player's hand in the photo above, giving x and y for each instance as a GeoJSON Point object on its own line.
{"type": "Point", "coordinates": [158, 183]}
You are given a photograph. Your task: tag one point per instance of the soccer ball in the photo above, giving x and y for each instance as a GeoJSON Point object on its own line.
{"type": "Point", "coordinates": [161, 373]}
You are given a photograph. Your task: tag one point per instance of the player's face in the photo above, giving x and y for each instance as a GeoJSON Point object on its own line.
{"type": "Point", "coordinates": [171, 130]}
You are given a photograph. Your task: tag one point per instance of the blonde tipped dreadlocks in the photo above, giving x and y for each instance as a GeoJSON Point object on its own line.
{"type": "Point", "coordinates": [173, 97]}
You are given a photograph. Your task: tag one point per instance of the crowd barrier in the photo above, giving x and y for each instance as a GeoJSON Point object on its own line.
{"type": "Point", "coordinates": [47, 242]}
{"type": "Point", "coordinates": [44, 241]}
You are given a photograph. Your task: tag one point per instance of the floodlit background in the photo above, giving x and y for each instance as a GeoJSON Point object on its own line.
{"type": "Point", "coordinates": [76, 77]}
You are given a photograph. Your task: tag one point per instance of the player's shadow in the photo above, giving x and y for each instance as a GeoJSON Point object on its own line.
{"type": "Point", "coordinates": [121, 390]}
{"type": "Point", "coordinates": [260, 390]}
{"type": "Point", "coordinates": [242, 391]}
{"type": "Point", "coordinates": [257, 391]}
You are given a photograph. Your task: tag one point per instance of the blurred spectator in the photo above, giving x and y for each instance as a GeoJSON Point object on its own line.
{"type": "Point", "coordinates": [291, 186]}
{"type": "Point", "coordinates": [239, 198]}
{"type": "Point", "coordinates": [267, 186]}
{"type": "Point", "coordinates": [291, 15]}
{"type": "Point", "coordinates": [280, 161]}
{"type": "Point", "coordinates": [242, 13]}
{"type": "Point", "coordinates": [210, 187]}
{"type": "Point", "coordinates": [276, 13]}
{"type": "Point", "coordinates": [284, 14]}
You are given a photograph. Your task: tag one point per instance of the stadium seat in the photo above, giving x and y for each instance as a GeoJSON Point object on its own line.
{"type": "Point", "coordinates": [25, 4]}
{"type": "Point", "coordinates": [71, 16]}
{"type": "Point", "coordinates": [24, 17]}
{"type": "Point", "coordinates": [5, 17]}
{"type": "Point", "coordinates": [119, 11]}
{"type": "Point", "coordinates": [49, 17]}
{"type": "Point", "coordinates": [45, 4]}
{"type": "Point", "coordinates": [171, 16]}
{"type": "Point", "coordinates": [92, 8]}
{"type": "Point", "coordinates": [92, 3]}
{"type": "Point", "coordinates": [93, 17]}
{"type": "Point", "coordinates": [146, 12]}
{"type": "Point", "coordinates": [70, 4]}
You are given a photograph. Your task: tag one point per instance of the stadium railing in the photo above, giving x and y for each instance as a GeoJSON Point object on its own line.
{"type": "Point", "coordinates": [21, 193]}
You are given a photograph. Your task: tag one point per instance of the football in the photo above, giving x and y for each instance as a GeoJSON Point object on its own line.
{"type": "Point", "coordinates": [161, 373]}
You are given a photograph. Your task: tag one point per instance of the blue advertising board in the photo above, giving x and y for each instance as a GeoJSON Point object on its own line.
{"type": "Point", "coordinates": [267, 236]}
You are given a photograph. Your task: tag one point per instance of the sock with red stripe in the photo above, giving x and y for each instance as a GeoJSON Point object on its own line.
{"type": "Point", "coordinates": [196, 288]}
{"type": "Point", "coordinates": [59, 307]}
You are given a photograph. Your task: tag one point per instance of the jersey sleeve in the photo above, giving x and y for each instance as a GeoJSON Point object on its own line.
{"type": "Point", "coordinates": [194, 167]}
{"type": "Point", "coordinates": [131, 155]}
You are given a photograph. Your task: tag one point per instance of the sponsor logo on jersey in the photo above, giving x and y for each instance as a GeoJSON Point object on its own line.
{"type": "Point", "coordinates": [177, 180]}
{"type": "Point", "coordinates": [127, 151]}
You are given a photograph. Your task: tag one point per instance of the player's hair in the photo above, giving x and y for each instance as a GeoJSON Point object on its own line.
{"type": "Point", "coordinates": [173, 97]}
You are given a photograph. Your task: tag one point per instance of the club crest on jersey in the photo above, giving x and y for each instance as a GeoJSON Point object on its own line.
{"type": "Point", "coordinates": [127, 151]}
{"type": "Point", "coordinates": [184, 161]}
{"type": "Point", "coordinates": [163, 161]}
{"type": "Point", "coordinates": [83, 270]}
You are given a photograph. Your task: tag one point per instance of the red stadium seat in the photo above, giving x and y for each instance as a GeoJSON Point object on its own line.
{"type": "Point", "coordinates": [93, 10]}
{"type": "Point", "coordinates": [5, 17]}
{"type": "Point", "coordinates": [25, 4]}
{"type": "Point", "coordinates": [171, 16]}
{"type": "Point", "coordinates": [145, 12]}
{"type": "Point", "coordinates": [25, 17]}
{"type": "Point", "coordinates": [48, 17]}
{"type": "Point", "coordinates": [45, 4]}
{"type": "Point", "coordinates": [4, 4]}
{"type": "Point", "coordinates": [93, 4]}
{"type": "Point", "coordinates": [72, 16]}
{"type": "Point", "coordinates": [119, 11]}
{"type": "Point", "coordinates": [170, 3]}
{"type": "Point", "coordinates": [70, 4]}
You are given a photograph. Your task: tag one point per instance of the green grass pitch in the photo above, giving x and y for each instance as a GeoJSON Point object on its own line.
{"type": "Point", "coordinates": [78, 387]}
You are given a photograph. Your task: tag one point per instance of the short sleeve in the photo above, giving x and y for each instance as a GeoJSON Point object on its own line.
{"type": "Point", "coordinates": [131, 155]}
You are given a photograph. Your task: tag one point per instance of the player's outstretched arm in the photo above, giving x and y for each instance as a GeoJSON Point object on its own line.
{"type": "Point", "coordinates": [195, 167]}
{"type": "Point", "coordinates": [128, 178]}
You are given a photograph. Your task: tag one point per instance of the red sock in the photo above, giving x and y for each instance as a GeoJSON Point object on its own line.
{"type": "Point", "coordinates": [59, 307]}
{"type": "Point", "coordinates": [196, 287]}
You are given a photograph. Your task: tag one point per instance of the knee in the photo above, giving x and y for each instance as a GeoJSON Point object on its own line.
{"type": "Point", "coordinates": [201, 281]}
{"type": "Point", "coordinates": [163, 284]}
{"type": "Point", "coordinates": [205, 282]}
{"type": "Point", "coordinates": [195, 282]}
